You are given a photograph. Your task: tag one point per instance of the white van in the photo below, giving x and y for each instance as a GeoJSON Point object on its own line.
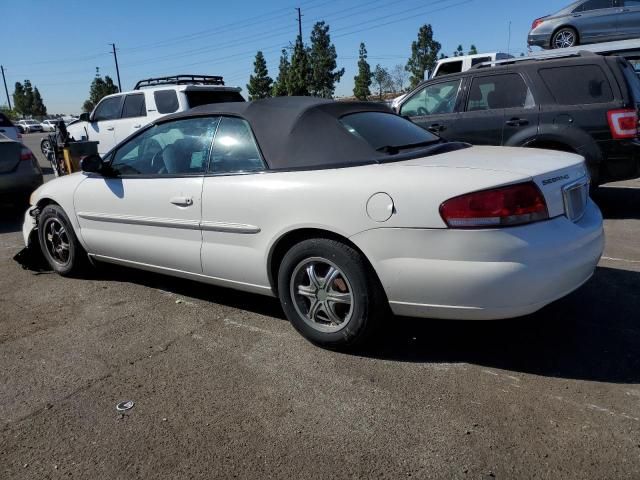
{"type": "Point", "coordinates": [463, 63]}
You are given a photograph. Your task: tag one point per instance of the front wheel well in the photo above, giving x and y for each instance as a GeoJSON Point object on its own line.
{"type": "Point", "coordinates": [289, 239]}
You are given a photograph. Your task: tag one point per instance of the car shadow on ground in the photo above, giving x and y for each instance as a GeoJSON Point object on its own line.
{"type": "Point", "coordinates": [593, 334]}
{"type": "Point", "coordinates": [618, 202]}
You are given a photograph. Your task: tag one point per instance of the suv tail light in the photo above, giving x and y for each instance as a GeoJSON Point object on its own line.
{"type": "Point", "coordinates": [505, 206]}
{"type": "Point", "coordinates": [26, 154]}
{"type": "Point", "coordinates": [536, 23]}
{"type": "Point", "coordinates": [623, 123]}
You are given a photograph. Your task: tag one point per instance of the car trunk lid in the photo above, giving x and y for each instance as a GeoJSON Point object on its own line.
{"type": "Point", "coordinates": [561, 177]}
{"type": "Point", "coordinates": [9, 154]}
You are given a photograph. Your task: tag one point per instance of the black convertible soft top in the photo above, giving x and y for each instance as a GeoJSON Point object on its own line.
{"type": "Point", "coordinates": [300, 132]}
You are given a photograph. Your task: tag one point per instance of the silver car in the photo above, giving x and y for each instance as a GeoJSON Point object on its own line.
{"type": "Point", "coordinates": [587, 21]}
{"type": "Point", "coordinates": [20, 173]}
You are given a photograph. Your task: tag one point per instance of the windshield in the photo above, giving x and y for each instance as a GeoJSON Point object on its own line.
{"type": "Point", "coordinates": [387, 132]}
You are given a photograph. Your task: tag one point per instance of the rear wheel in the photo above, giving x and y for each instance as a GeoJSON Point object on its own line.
{"type": "Point", "coordinates": [59, 243]}
{"type": "Point", "coordinates": [564, 38]}
{"type": "Point", "coordinates": [329, 294]}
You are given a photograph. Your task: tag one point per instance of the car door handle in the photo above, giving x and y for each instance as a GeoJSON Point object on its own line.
{"type": "Point", "coordinates": [110, 129]}
{"type": "Point", "coordinates": [436, 127]}
{"type": "Point", "coordinates": [182, 201]}
{"type": "Point", "coordinates": [577, 15]}
{"type": "Point", "coordinates": [517, 122]}
{"type": "Point", "coordinates": [137, 126]}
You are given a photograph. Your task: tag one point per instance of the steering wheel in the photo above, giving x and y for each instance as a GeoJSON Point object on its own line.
{"type": "Point", "coordinates": [157, 157]}
{"type": "Point", "coordinates": [422, 111]}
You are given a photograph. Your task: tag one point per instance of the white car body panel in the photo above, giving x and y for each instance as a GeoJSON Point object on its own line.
{"type": "Point", "coordinates": [227, 235]}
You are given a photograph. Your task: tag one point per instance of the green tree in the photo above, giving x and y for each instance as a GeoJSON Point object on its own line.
{"type": "Point", "coordinates": [362, 81]}
{"type": "Point", "coordinates": [381, 80]}
{"type": "Point", "coordinates": [260, 84]}
{"type": "Point", "coordinates": [28, 98]}
{"type": "Point", "coordinates": [280, 88]}
{"type": "Point", "coordinates": [298, 81]}
{"type": "Point", "coordinates": [322, 60]}
{"type": "Point", "coordinates": [18, 98]}
{"type": "Point", "coordinates": [99, 88]}
{"type": "Point", "coordinates": [473, 50]}
{"type": "Point", "coordinates": [38, 110]}
{"type": "Point", "coordinates": [459, 52]}
{"type": "Point", "coordinates": [12, 114]}
{"type": "Point", "coordinates": [424, 54]}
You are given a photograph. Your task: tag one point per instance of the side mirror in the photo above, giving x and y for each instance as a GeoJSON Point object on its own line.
{"type": "Point", "coordinates": [84, 117]}
{"type": "Point", "coordinates": [91, 163]}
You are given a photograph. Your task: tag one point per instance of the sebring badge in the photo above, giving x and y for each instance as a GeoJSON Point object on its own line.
{"type": "Point", "coordinates": [549, 181]}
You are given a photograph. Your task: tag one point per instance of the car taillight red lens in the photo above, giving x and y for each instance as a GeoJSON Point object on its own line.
{"type": "Point", "coordinates": [505, 206]}
{"type": "Point", "coordinates": [623, 123]}
{"type": "Point", "coordinates": [536, 23]}
{"type": "Point", "coordinates": [26, 154]}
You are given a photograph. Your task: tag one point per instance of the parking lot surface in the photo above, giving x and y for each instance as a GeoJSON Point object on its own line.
{"type": "Point", "coordinates": [224, 387]}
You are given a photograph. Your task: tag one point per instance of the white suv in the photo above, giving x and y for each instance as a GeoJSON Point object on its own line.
{"type": "Point", "coordinates": [119, 115]}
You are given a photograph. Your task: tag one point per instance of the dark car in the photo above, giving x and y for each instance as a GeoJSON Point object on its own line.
{"type": "Point", "coordinates": [20, 173]}
{"type": "Point", "coordinates": [585, 103]}
{"type": "Point", "coordinates": [587, 21]}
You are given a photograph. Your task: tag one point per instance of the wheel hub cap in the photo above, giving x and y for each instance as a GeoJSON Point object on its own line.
{"type": "Point", "coordinates": [322, 295]}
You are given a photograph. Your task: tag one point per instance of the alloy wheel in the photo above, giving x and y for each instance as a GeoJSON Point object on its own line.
{"type": "Point", "coordinates": [57, 241]}
{"type": "Point", "coordinates": [322, 294]}
{"type": "Point", "coordinates": [565, 39]}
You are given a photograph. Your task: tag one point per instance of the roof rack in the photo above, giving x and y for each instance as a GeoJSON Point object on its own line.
{"type": "Point", "coordinates": [180, 80]}
{"type": "Point", "coordinates": [533, 58]}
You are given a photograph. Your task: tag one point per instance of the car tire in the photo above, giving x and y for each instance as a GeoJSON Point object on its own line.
{"type": "Point", "coordinates": [59, 243]}
{"type": "Point", "coordinates": [564, 38]}
{"type": "Point", "coordinates": [342, 306]}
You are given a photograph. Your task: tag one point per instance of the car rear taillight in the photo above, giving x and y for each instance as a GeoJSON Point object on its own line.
{"type": "Point", "coordinates": [623, 123]}
{"type": "Point", "coordinates": [26, 154]}
{"type": "Point", "coordinates": [536, 23]}
{"type": "Point", "coordinates": [499, 207]}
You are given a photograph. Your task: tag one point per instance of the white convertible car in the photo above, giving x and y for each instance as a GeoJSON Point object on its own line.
{"type": "Point", "coordinates": [342, 210]}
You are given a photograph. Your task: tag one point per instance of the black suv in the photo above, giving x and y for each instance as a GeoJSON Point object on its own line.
{"type": "Point", "coordinates": [583, 103]}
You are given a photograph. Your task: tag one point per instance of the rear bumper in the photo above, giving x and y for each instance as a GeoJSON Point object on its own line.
{"type": "Point", "coordinates": [539, 40]}
{"type": "Point", "coordinates": [484, 274]}
{"type": "Point", "coordinates": [19, 183]}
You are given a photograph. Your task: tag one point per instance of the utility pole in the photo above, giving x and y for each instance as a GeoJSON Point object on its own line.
{"type": "Point", "coordinates": [299, 22]}
{"type": "Point", "coordinates": [115, 56]}
{"type": "Point", "coordinates": [509, 41]}
{"type": "Point", "coordinates": [6, 90]}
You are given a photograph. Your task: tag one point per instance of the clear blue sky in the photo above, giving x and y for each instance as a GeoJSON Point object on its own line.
{"type": "Point", "coordinates": [58, 44]}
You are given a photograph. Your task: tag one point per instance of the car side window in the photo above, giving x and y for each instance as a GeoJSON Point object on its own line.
{"type": "Point", "coordinates": [180, 147]}
{"type": "Point", "coordinates": [498, 92]}
{"type": "Point", "coordinates": [108, 109]}
{"type": "Point", "coordinates": [134, 106]}
{"type": "Point", "coordinates": [433, 99]}
{"type": "Point", "coordinates": [594, 5]}
{"type": "Point", "coordinates": [234, 148]}
{"type": "Point", "coordinates": [166, 101]}
{"type": "Point", "coordinates": [577, 85]}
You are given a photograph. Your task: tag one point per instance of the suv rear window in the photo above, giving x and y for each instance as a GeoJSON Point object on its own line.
{"type": "Point", "coordinates": [195, 98]}
{"type": "Point", "coordinates": [577, 85]}
{"type": "Point", "coordinates": [166, 101]}
{"type": "Point", "coordinates": [381, 129]}
{"type": "Point", "coordinates": [4, 121]}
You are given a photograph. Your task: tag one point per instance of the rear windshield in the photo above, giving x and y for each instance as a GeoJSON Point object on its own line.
{"type": "Point", "coordinates": [381, 130]}
{"type": "Point", "coordinates": [577, 85]}
{"type": "Point", "coordinates": [203, 97]}
{"type": "Point", "coordinates": [4, 121]}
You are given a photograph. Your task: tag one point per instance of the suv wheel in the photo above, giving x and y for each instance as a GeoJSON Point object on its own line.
{"type": "Point", "coordinates": [564, 38]}
{"type": "Point", "coordinates": [329, 295]}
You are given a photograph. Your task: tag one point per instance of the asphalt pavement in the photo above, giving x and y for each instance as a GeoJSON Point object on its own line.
{"type": "Point", "coordinates": [223, 387]}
